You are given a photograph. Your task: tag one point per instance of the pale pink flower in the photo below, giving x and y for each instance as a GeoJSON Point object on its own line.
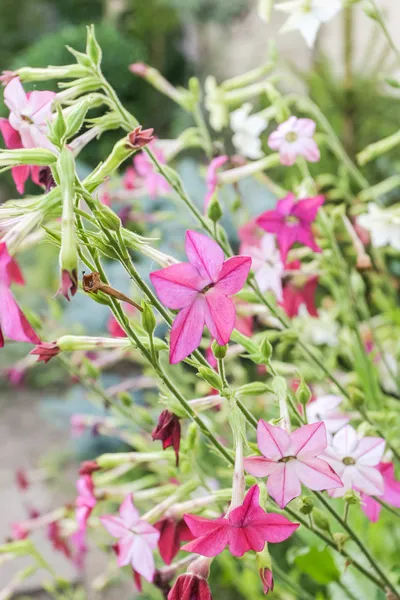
{"type": "Point", "coordinates": [212, 178]}
{"type": "Point", "coordinates": [289, 460]}
{"type": "Point", "coordinates": [325, 408]}
{"type": "Point", "coordinates": [291, 220]}
{"type": "Point", "coordinates": [201, 290]}
{"type": "Point", "coordinates": [154, 183]}
{"type": "Point", "coordinates": [86, 500]}
{"type": "Point", "coordinates": [247, 527]}
{"type": "Point", "coordinates": [29, 113]}
{"type": "Point", "coordinates": [136, 539]}
{"type": "Point", "coordinates": [266, 264]}
{"type": "Point", "coordinates": [13, 323]}
{"type": "Point", "coordinates": [391, 493]}
{"type": "Point", "coordinates": [250, 233]}
{"type": "Point", "coordinates": [356, 461]}
{"type": "Point", "coordinates": [294, 138]}
{"type": "Point", "coordinates": [21, 173]}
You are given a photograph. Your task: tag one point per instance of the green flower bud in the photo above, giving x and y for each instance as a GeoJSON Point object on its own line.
{"type": "Point", "coordinates": [307, 505]}
{"type": "Point", "coordinates": [212, 378]}
{"type": "Point", "coordinates": [303, 393]}
{"type": "Point", "coordinates": [125, 399]}
{"type": "Point", "coordinates": [266, 350]}
{"type": "Point", "coordinates": [321, 521]}
{"type": "Point", "coordinates": [58, 127]}
{"type": "Point", "coordinates": [192, 437]}
{"type": "Point", "coordinates": [148, 319]}
{"type": "Point", "coordinates": [108, 218]}
{"type": "Point", "coordinates": [219, 351]}
{"type": "Point", "coordinates": [357, 398]}
{"type": "Point", "coordinates": [352, 498]}
{"type": "Point", "coordinates": [340, 539]}
{"type": "Point", "coordinates": [93, 49]}
{"type": "Point", "coordinates": [214, 210]}
{"type": "Point", "coordinates": [256, 388]}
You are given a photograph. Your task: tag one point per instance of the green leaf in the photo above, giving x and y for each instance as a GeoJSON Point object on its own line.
{"type": "Point", "coordinates": [319, 565]}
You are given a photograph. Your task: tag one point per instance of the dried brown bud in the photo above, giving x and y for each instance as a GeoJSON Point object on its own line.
{"type": "Point", "coordinates": [140, 137]}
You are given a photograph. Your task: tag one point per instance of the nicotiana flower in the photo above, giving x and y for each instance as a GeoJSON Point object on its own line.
{"type": "Point", "coordinates": [356, 460]}
{"type": "Point", "coordinates": [391, 492]}
{"type": "Point", "coordinates": [136, 538]}
{"type": "Point", "coordinates": [190, 587]}
{"type": "Point", "coordinates": [289, 460]}
{"type": "Point", "coordinates": [211, 178]}
{"type": "Point", "coordinates": [247, 527]}
{"type": "Point", "coordinates": [294, 138]}
{"type": "Point", "coordinates": [28, 114]}
{"type": "Point", "coordinates": [21, 173]}
{"type": "Point", "coordinates": [13, 323]}
{"type": "Point", "coordinates": [299, 292]}
{"type": "Point", "coordinates": [266, 264]}
{"type": "Point", "coordinates": [172, 533]}
{"type": "Point", "coordinates": [168, 431]}
{"type": "Point", "coordinates": [153, 181]}
{"type": "Point", "coordinates": [308, 15]}
{"type": "Point", "coordinates": [247, 129]}
{"type": "Point", "coordinates": [383, 224]}
{"type": "Point", "coordinates": [325, 408]}
{"type": "Point", "coordinates": [322, 331]}
{"type": "Point", "coordinates": [291, 221]}
{"type": "Point", "coordinates": [85, 501]}
{"type": "Point", "coordinates": [201, 289]}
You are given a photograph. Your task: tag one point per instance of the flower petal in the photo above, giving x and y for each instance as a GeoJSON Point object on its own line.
{"type": "Point", "coordinates": [258, 466]}
{"type": "Point", "coordinates": [129, 514]}
{"type": "Point", "coordinates": [345, 441]}
{"type": "Point", "coordinates": [13, 322]}
{"type": "Point", "coordinates": [10, 135]}
{"type": "Point", "coordinates": [308, 441]}
{"type": "Point", "coordinates": [211, 544]}
{"type": "Point", "coordinates": [368, 479]}
{"type": "Point", "coordinates": [142, 559]}
{"type": "Point", "coordinates": [317, 474]}
{"type": "Point", "coordinates": [369, 451]}
{"type": "Point", "coordinates": [200, 526]}
{"type": "Point", "coordinates": [14, 96]}
{"type": "Point", "coordinates": [187, 330]}
{"type": "Point", "coordinates": [240, 541]}
{"type": "Point", "coordinates": [370, 507]}
{"type": "Point", "coordinates": [114, 525]}
{"type": "Point", "coordinates": [204, 254]}
{"type": "Point", "coordinates": [20, 174]}
{"type": "Point", "coordinates": [125, 549]}
{"type": "Point", "coordinates": [275, 528]}
{"type": "Point", "coordinates": [220, 315]}
{"type": "Point", "coordinates": [307, 208]}
{"type": "Point", "coordinates": [272, 441]}
{"type": "Point", "coordinates": [178, 285]}
{"type": "Point", "coordinates": [233, 274]}
{"type": "Point", "coordinates": [284, 485]}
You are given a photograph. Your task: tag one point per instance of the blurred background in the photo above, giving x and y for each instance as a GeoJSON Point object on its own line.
{"type": "Point", "coordinates": [180, 38]}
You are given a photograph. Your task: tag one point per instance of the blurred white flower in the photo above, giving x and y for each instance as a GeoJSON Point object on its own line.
{"type": "Point", "coordinates": [383, 225]}
{"type": "Point", "coordinates": [325, 408]}
{"type": "Point", "coordinates": [308, 15]}
{"type": "Point", "coordinates": [321, 331]}
{"type": "Point", "coordinates": [266, 264]}
{"type": "Point", "coordinates": [247, 129]}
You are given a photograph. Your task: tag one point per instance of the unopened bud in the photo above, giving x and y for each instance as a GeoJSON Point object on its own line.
{"type": "Point", "coordinates": [219, 351]}
{"type": "Point", "coordinates": [307, 505]}
{"type": "Point", "coordinates": [352, 498]}
{"type": "Point", "coordinates": [138, 138]}
{"type": "Point", "coordinates": [303, 393]}
{"type": "Point", "coordinates": [214, 210]}
{"type": "Point", "coordinates": [266, 350]}
{"type": "Point", "coordinates": [357, 398]}
{"type": "Point", "coordinates": [256, 388]}
{"type": "Point", "coordinates": [108, 218]}
{"type": "Point", "coordinates": [340, 539]}
{"type": "Point", "coordinates": [93, 49]}
{"type": "Point", "coordinates": [321, 521]}
{"type": "Point", "coordinates": [148, 319]}
{"type": "Point", "coordinates": [212, 378]}
{"type": "Point", "coordinates": [125, 399]}
{"type": "Point", "coordinates": [192, 436]}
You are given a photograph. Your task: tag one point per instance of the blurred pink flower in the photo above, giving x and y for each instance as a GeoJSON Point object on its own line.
{"type": "Point", "coordinates": [356, 461]}
{"type": "Point", "coordinates": [266, 264]}
{"type": "Point", "coordinates": [86, 500]}
{"type": "Point", "coordinates": [130, 179]}
{"type": "Point", "coordinates": [20, 174]}
{"type": "Point", "coordinates": [136, 539]}
{"type": "Point", "coordinates": [201, 289]}
{"type": "Point", "coordinates": [212, 179]}
{"type": "Point", "coordinates": [294, 138]}
{"type": "Point", "coordinates": [291, 221]}
{"type": "Point", "coordinates": [299, 290]}
{"type": "Point", "coordinates": [289, 460]}
{"type": "Point", "coordinates": [13, 323]}
{"type": "Point", "coordinates": [391, 492]}
{"type": "Point", "coordinates": [247, 527]}
{"type": "Point", "coordinates": [155, 183]}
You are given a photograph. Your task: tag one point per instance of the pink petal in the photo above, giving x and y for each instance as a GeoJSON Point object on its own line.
{"type": "Point", "coordinates": [11, 136]}
{"type": "Point", "coordinates": [32, 137]}
{"type": "Point", "coordinates": [233, 274]}
{"type": "Point", "coordinates": [371, 508]}
{"type": "Point", "coordinates": [271, 221]}
{"type": "Point", "coordinates": [39, 104]}
{"type": "Point", "coordinates": [187, 330]}
{"type": "Point", "coordinates": [305, 127]}
{"type": "Point", "coordinates": [211, 544]}
{"type": "Point", "coordinates": [129, 514]}
{"type": "Point", "coordinates": [308, 441]}
{"type": "Point", "coordinates": [142, 559]}
{"type": "Point", "coordinates": [20, 174]}
{"type": "Point", "coordinates": [392, 493]}
{"type": "Point", "coordinates": [9, 269]}
{"type": "Point", "coordinates": [204, 254]}
{"type": "Point", "coordinates": [114, 525]}
{"type": "Point", "coordinates": [286, 238]}
{"type": "Point", "coordinates": [368, 480]}
{"type": "Point", "coordinates": [240, 541]}
{"type": "Point", "coordinates": [310, 150]}
{"type": "Point", "coordinates": [369, 451]}
{"type": "Point", "coordinates": [13, 322]}
{"type": "Point", "coordinates": [275, 139]}
{"type": "Point", "coordinates": [178, 285]}
{"type": "Point", "coordinates": [345, 441]}
{"type": "Point", "coordinates": [317, 474]}
{"type": "Point", "coordinates": [305, 236]}
{"type": "Point", "coordinates": [258, 466]}
{"type": "Point", "coordinates": [14, 96]}
{"type": "Point", "coordinates": [288, 153]}
{"type": "Point", "coordinates": [275, 528]}
{"type": "Point", "coordinates": [35, 174]}
{"type": "Point", "coordinates": [240, 516]}
{"type": "Point", "coordinates": [150, 534]}
{"type": "Point", "coordinates": [272, 441]}
{"type": "Point", "coordinates": [285, 205]}
{"type": "Point", "coordinates": [283, 485]}
{"type": "Point", "coordinates": [125, 549]}
{"type": "Point", "coordinates": [220, 315]}
{"type": "Point", "coordinates": [200, 526]}
{"type": "Point", "coordinates": [307, 208]}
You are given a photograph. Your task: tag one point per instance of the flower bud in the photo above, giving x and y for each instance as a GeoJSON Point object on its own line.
{"type": "Point", "coordinates": [307, 505]}
{"type": "Point", "coordinates": [125, 399]}
{"type": "Point", "coordinates": [214, 210]}
{"type": "Point", "coordinates": [256, 388]}
{"type": "Point", "coordinates": [27, 156]}
{"type": "Point", "coordinates": [212, 378]}
{"type": "Point", "coordinates": [357, 397]}
{"type": "Point", "coordinates": [108, 218]}
{"type": "Point", "coordinates": [340, 539]}
{"type": "Point", "coordinates": [148, 318]}
{"type": "Point", "coordinates": [219, 351]}
{"type": "Point", "coordinates": [60, 72]}
{"type": "Point", "coordinates": [93, 49]}
{"type": "Point", "coordinates": [303, 393]}
{"type": "Point", "coordinates": [88, 467]}
{"type": "Point", "coordinates": [190, 587]}
{"type": "Point", "coordinates": [264, 566]}
{"type": "Point", "coordinates": [168, 431]}
{"type": "Point", "coordinates": [321, 521]}
{"type": "Point", "coordinates": [69, 250]}
{"type": "Point", "coordinates": [352, 498]}
{"type": "Point", "coordinates": [266, 350]}
{"type": "Point", "coordinates": [58, 127]}
{"type": "Point", "coordinates": [140, 137]}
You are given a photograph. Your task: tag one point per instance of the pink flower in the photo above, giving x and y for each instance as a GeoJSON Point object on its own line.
{"type": "Point", "coordinates": [45, 351]}
{"type": "Point", "coordinates": [299, 290]}
{"type": "Point", "coordinates": [266, 264]}
{"type": "Point", "coordinates": [391, 493]}
{"type": "Point", "coordinates": [20, 174]}
{"type": "Point", "coordinates": [13, 323]}
{"type": "Point", "coordinates": [267, 579]}
{"type": "Point", "coordinates": [155, 183]}
{"type": "Point", "coordinates": [294, 138]}
{"type": "Point", "coordinates": [172, 533]}
{"type": "Point", "coordinates": [78, 540]}
{"type": "Point", "coordinates": [28, 114]}
{"type": "Point", "coordinates": [57, 540]}
{"type": "Point", "coordinates": [212, 179]}
{"type": "Point", "coordinates": [290, 460]}
{"type": "Point", "coordinates": [136, 539]}
{"type": "Point", "coordinates": [291, 221]}
{"type": "Point", "coordinates": [129, 179]}
{"type": "Point", "coordinates": [250, 233]}
{"type": "Point", "coordinates": [168, 431]}
{"type": "Point", "coordinates": [325, 408]}
{"type": "Point", "coordinates": [356, 460]}
{"type": "Point", "coordinates": [247, 527]}
{"type": "Point", "coordinates": [22, 480]}
{"type": "Point", "coordinates": [86, 500]}
{"type": "Point", "coordinates": [18, 531]}
{"type": "Point", "coordinates": [201, 290]}
{"type": "Point", "coordinates": [190, 587]}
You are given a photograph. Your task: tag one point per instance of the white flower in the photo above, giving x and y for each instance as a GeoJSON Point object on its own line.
{"type": "Point", "coordinates": [215, 104]}
{"type": "Point", "coordinates": [247, 129]}
{"type": "Point", "coordinates": [307, 16]}
{"type": "Point", "coordinates": [321, 331]}
{"type": "Point", "coordinates": [266, 264]}
{"type": "Point", "coordinates": [383, 225]}
{"type": "Point", "coordinates": [325, 408]}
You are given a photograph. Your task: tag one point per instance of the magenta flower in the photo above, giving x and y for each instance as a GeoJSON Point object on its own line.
{"type": "Point", "coordinates": [20, 174]}
{"type": "Point", "coordinates": [298, 291]}
{"type": "Point", "coordinates": [86, 500]}
{"type": "Point", "coordinates": [201, 290]}
{"type": "Point", "coordinates": [247, 527]}
{"type": "Point", "coordinates": [291, 221]}
{"type": "Point", "coordinates": [190, 587]}
{"type": "Point", "coordinates": [294, 138]}
{"type": "Point", "coordinates": [136, 539]}
{"type": "Point", "coordinates": [29, 114]}
{"type": "Point", "coordinates": [168, 431]}
{"type": "Point", "coordinates": [391, 493]}
{"type": "Point", "coordinates": [267, 580]}
{"type": "Point", "coordinates": [130, 179]}
{"type": "Point", "coordinates": [290, 460]}
{"type": "Point", "coordinates": [172, 533]}
{"type": "Point", "coordinates": [356, 461]}
{"type": "Point", "coordinates": [155, 183]}
{"type": "Point", "coordinates": [13, 323]}
{"type": "Point", "coordinates": [212, 179]}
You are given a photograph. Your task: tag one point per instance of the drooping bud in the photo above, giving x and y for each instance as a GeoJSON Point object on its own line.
{"type": "Point", "coordinates": [46, 351]}
{"type": "Point", "coordinates": [69, 250]}
{"type": "Point", "coordinates": [148, 319]}
{"type": "Point", "coordinates": [88, 467]}
{"type": "Point", "coordinates": [219, 351]}
{"type": "Point", "coordinates": [140, 137]}
{"type": "Point", "coordinates": [168, 431]}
